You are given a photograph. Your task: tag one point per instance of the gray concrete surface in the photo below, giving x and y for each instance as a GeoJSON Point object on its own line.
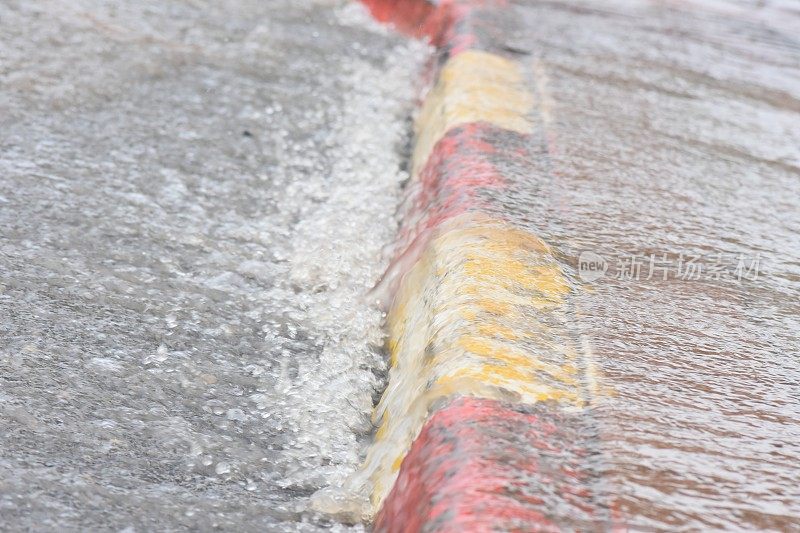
{"type": "Point", "coordinates": [193, 200]}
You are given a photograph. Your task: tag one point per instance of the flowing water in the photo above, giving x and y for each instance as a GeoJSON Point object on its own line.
{"type": "Point", "coordinates": [673, 131]}
{"type": "Point", "coordinates": [195, 195]}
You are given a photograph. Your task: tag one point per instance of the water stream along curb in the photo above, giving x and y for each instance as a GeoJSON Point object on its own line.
{"type": "Point", "coordinates": [486, 421]}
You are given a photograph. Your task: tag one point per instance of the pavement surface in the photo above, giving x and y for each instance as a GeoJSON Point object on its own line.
{"type": "Point", "coordinates": [195, 197]}
{"type": "Point", "coordinates": [193, 201]}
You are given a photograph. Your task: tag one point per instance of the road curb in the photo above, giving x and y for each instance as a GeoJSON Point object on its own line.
{"type": "Point", "coordinates": [488, 385]}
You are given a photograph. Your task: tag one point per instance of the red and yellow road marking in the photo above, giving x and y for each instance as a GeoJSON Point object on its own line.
{"type": "Point", "coordinates": [473, 87]}
{"type": "Point", "coordinates": [480, 465]}
{"type": "Point", "coordinates": [484, 365]}
{"type": "Point", "coordinates": [480, 314]}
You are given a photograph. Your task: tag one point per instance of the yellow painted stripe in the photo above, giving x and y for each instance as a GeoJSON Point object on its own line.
{"type": "Point", "coordinates": [473, 86]}
{"type": "Point", "coordinates": [480, 314]}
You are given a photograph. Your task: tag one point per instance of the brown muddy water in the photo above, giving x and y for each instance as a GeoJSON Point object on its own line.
{"type": "Point", "coordinates": [673, 130]}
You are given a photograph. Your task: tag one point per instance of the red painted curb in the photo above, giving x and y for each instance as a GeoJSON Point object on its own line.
{"type": "Point", "coordinates": [459, 168]}
{"type": "Point", "coordinates": [480, 465]}
{"type": "Point", "coordinates": [437, 21]}
{"type": "Point", "coordinates": [455, 179]}
{"type": "Point", "coordinates": [418, 18]}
